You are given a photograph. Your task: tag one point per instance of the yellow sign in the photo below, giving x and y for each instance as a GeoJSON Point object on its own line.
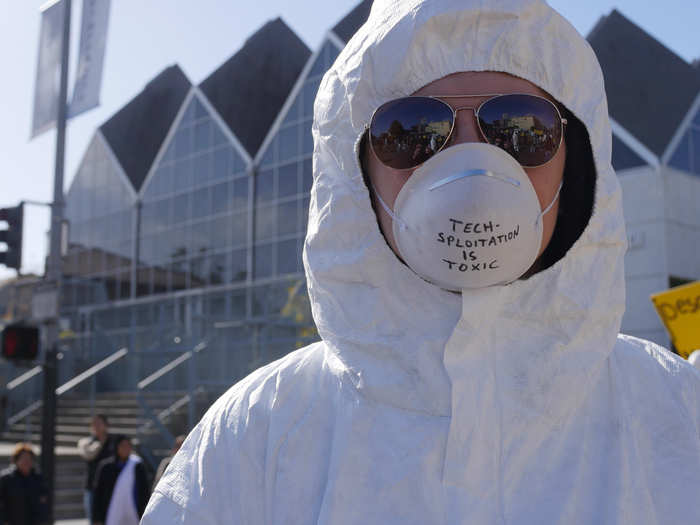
{"type": "Point", "coordinates": [679, 309]}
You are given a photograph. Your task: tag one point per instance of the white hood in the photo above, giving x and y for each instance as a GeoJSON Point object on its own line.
{"type": "Point", "coordinates": [541, 339]}
{"type": "Point", "coordinates": [510, 404]}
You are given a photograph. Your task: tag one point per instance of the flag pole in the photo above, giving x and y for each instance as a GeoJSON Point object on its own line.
{"type": "Point", "coordinates": [53, 274]}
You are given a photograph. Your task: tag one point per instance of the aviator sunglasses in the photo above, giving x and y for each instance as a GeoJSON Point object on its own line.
{"type": "Point", "coordinates": [406, 132]}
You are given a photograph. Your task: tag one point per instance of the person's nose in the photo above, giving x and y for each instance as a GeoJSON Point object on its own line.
{"type": "Point", "coordinates": [466, 128]}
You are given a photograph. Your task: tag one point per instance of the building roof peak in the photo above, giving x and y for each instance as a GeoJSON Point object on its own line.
{"type": "Point", "coordinates": [136, 132]}
{"type": "Point", "coordinates": [650, 88]}
{"type": "Point", "coordinates": [351, 22]}
{"type": "Point", "coordinates": [249, 89]}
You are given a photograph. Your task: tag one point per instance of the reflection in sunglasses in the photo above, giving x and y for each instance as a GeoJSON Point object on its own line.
{"type": "Point", "coordinates": [406, 132]}
{"type": "Point", "coordinates": [527, 127]}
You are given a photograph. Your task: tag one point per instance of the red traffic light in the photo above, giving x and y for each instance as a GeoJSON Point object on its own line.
{"type": "Point", "coordinates": [20, 342]}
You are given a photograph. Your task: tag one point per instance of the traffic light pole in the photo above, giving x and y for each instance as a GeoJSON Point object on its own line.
{"type": "Point", "coordinates": [48, 426]}
{"type": "Point", "coordinates": [54, 272]}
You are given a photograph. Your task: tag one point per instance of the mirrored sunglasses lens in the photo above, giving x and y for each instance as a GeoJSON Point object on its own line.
{"type": "Point", "coordinates": [408, 131]}
{"type": "Point", "coordinates": [526, 126]}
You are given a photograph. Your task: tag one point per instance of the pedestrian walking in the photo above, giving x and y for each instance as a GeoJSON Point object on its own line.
{"type": "Point", "coordinates": [121, 488]}
{"type": "Point", "coordinates": [23, 496]}
{"type": "Point", "coordinates": [94, 449]}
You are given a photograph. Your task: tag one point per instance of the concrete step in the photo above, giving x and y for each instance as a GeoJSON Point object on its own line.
{"type": "Point", "coordinates": [69, 469]}
{"type": "Point", "coordinates": [68, 495]}
{"type": "Point", "coordinates": [127, 399]}
{"type": "Point", "coordinates": [98, 405]}
{"type": "Point", "coordinates": [114, 411]}
{"type": "Point", "coordinates": [35, 438]}
{"type": "Point", "coordinates": [74, 468]}
{"type": "Point", "coordinates": [77, 429]}
{"type": "Point", "coordinates": [62, 440]}
{"type": "Point", "coordinates": [119, 411]}
{"type": "Point", "coordinates": [73, 479]}
{"type": "Point", "coordinates": [85, 412]}
{"type": "Point", "coordinates": [130, 394]}
{"type": "Point", "coordinates": [84, 421]}
{"type": "Point", "coordinates": [69, 511]}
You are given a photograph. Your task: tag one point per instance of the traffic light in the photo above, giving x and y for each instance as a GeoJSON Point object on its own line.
{"type": "Point", "coordinates": [19, 342]}
{"type": "Point", "coordinates": [12, 236]}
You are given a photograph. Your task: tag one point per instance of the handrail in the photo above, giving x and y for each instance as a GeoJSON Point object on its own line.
{"type": "Point", "coordinates": [65, 387]}
{"type": "Point", "coordinates": [72, 383]}
{"type": "Point", "coordinates": [259, 321]}
{"type": "Point", "coordinates": [169, 366]}
{"type": "Point", "coordinates": [162, 371]}
{"type": "Point", "coordinates": [167, 412]}
{"type": "Point", "coordinates": [24, 412]}
{"type": "Point", "coordinates": [24, 377]}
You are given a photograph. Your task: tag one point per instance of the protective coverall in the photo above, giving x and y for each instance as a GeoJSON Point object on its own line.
{"type": "Point", "coordinates": [515, 404]}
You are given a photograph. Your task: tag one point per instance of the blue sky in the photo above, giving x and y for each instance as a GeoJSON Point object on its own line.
{"type": "Point", "coordinates": [146, 36]}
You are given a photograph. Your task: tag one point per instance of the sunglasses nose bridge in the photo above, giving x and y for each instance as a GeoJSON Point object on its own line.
{"type": "Point", "coordinates": [466, 128]}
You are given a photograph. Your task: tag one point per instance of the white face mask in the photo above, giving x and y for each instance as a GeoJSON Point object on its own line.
{"type": "Point", "coordinates": [469, 217]}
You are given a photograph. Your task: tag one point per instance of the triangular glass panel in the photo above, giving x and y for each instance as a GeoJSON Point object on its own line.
{"type": "Point", "coordinates": [623, 157]}
{"type": "Point", "coordinates": [681, 157]}
{"type": "Point", "coordinates": [695, 151]}
{"type": "Point", "coordinates": [696, 119]}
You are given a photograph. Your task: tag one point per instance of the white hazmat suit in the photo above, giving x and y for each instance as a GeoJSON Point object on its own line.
{"type": "Point", "coordinates": [516, 404]}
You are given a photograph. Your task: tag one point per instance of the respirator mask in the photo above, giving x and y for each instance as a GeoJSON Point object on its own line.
{"type": "Point", "coordinates": [468, 217]}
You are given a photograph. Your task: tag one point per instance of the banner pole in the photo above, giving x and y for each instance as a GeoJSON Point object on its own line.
{"type": "Point", "coordinates": [55, 270]}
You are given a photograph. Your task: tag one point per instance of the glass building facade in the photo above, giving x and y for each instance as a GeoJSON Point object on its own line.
{"type": "Point", "coordinates": [194, 210]}
{"type": "Point", "coordinates": [208, 250]}
{"type": "Point", "coordinates": [686, 157]}
{"type": "Point", "coordinates": [100, 206]}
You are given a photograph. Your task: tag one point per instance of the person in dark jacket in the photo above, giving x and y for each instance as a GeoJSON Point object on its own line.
{"type": "Point", "coordinates": [95, 448]}
{"type": "Point", "coordinates": [121, 489]}
{"type": "Point", "coordinates": [23, 497]}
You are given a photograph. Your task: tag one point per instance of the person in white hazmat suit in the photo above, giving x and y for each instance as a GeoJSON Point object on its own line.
{"type": "Point", "coordinates": [470, 369]}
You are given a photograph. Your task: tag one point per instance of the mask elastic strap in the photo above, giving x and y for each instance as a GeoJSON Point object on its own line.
{"type": "Point", "coordinates": [551, 203]}
{"type": "Point", "coordinates": [395, 217]}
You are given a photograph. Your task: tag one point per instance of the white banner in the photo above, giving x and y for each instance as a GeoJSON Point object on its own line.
{"type": "Point", "coordinates": [48, 70]}
{"type": "Point", "coordinates": [93, 38]}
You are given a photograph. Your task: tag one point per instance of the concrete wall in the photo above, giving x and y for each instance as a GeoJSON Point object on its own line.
{"type": "Point", "coordinates": [646, 262]}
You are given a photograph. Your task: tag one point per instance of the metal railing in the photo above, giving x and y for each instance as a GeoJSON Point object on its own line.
{"type": "Point", "coordinates": [175, 369]}
{"type": "Point", "coordinates": [165, 414]}
{"type": "Point", "coordinates": [158, 420]}
{"type": "Point", "coordinates": [67, 386]}
{"type": "Point", "coordinates": [169, 367]}
{"type": "Point", "coordinates": [154, 419]}
{"type": "Point", "coordinates": [20, 380]}
{"type": "Point", "coordinates": [90, 372]}
{"type": "Point", "coordinates": [13, 385]}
